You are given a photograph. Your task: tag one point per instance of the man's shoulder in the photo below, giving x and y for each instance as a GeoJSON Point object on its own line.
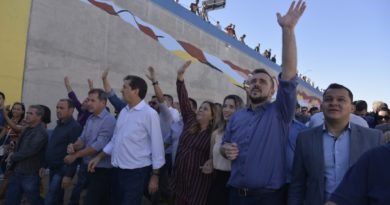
{"type": "Point", "coordinates": [365, 130]}
{"type": "Point", "coordinates": [239, 113]}
{"type": "Point", "coordinates": [40, 130]}
{"type": "Point", "coordinates": [310, 133]}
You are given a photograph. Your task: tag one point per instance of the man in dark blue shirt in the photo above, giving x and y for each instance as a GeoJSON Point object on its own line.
{"type": "Point", "coordinates": [67, 131]}
{"type": "Point", "coordinates": [256, 137]}
{"type": "Point", "coordinates": [367, 182]}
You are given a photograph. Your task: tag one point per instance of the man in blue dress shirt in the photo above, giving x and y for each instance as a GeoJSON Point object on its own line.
{"type": "Point", "coordinates": [256, 137]}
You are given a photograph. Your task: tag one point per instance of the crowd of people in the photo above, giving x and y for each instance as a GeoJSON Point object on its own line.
{"type": "Point", "coordinates": [236, 152]}
{"type": "Point", "coordinates": [231, 31]}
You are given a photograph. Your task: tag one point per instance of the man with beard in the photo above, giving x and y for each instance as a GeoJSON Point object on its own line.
{"type": "Point", "coordinates": [256, 137]}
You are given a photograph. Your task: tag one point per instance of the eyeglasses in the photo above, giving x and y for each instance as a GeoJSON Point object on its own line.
{"type": "Point", "coordinates": [386, 117]}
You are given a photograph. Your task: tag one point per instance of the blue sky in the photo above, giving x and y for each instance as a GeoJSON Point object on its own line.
{"type": "Point", "coordinates": [346, 41]}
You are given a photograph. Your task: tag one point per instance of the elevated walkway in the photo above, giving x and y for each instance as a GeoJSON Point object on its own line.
{"type": "Point", "coordinates": [80, 39]}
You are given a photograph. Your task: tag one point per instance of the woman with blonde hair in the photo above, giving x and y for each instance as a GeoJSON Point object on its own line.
{"type": "Point", "coordinates": [219, 193]}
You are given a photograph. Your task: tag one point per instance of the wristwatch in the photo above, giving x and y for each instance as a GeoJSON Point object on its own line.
{"type": "Point", "coordinates": [156, 172]}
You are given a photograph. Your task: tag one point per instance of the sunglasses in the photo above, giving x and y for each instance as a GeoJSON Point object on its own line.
{"type": "Point", "coordinates": [152, 103]}
{"type": "Point", "coordinates": [383, 117]}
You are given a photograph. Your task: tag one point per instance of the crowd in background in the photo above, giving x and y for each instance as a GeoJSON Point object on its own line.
{"type": "Point", "coordinates": [231, 31]}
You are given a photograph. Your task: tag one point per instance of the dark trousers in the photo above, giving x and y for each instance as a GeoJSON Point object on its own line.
{"type": "Point", "coordinates": [129, 185]}
{"type": "Point", "coordinates": [99, 187]}
{"type": "Point", "coordinates": [164, 192]}
{"type": "Point", "coordinates": [23, 183]}
{"type": "Point", "coordinates": [81, 184]}
{"type": "Point", "coordinates": [219, 192]}
{"type": "Point", "coordinates": [55, 193]}
{"type": "Point", "coordinates": [258, 197]}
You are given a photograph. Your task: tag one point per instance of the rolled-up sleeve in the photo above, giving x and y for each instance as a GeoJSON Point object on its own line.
{"type": "Point", "coordinates": [108, 148]}
{"type": "Point", "coordinates": [105, 133]}
{"type": "Point", "coordinates": [286, 98]}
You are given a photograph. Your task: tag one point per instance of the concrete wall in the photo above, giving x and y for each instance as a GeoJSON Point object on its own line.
{"type": "Point", "coordinates": [75, 39]}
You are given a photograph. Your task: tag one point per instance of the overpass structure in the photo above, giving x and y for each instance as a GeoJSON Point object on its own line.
{"type": "Point", "coordinates": [47, 40]}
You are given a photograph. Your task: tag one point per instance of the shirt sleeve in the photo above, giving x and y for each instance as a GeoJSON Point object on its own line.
{"type": "Point", "coordinates": [116, 101]}
{"type": "Point", "coordinates": [157, 145]}
{"type": "Point", "coordinates": [227, 137]}
{"type": "Point", "coordinates": [70, 170]}
{"type": "Point", "coordinates": [108, 148]}
{"type": "Point", "coordinates": [185, 105]}
{"type": "Point", "coordinates": [82, 135]}
{"type": "Point", "coordinates": [286, 98]}
{"type": "Point", "coordinates": [77, 104]}
{"type": "Point", "coordinates": [105, 133]}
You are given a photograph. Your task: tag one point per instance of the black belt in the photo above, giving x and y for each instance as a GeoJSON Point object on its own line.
{"type": "Point", "coordinates": [253, 192]}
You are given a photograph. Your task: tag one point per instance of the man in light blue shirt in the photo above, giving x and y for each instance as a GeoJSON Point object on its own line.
{"type": "Point", "coordinates": [97, 132]}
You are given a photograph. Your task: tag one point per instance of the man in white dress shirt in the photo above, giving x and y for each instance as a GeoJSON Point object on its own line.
{"type": "Point", "coordinates": [136, 148]}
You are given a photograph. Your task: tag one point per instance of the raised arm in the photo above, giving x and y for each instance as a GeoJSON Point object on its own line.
{"type": "Point", "coordinates": [106, 84]}
{"type": "Point", "coordinates": [166, 118]}
{"type": "Point", "coordinates": [67, 84]}
{"type": "Point", "coordinates": [289, 52]}
{"type": "Point", "coordinates": [157, 90]}
{"type": "Point", "coordinates": [185, 105]}
{"type": "Point", "coordinates": [112, 97]}
{"type": "Point", "coordinates": [90, 84]}
{"type": "Point", "coordinates": [72, 95]}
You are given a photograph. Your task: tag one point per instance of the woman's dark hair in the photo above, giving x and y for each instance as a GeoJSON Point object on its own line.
{"type": "Point", "coordinates": [46, 118]}
{"type": "Point", "coordinates": [10, 115]}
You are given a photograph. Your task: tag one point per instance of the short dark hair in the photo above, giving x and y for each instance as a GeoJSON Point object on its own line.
{"type": "Point", "coordinates": [39, 110]}
{"type": "Point", "coordinates": [139, 83]}
{"type": "Point", "coordinates": [338, 86]}
{"type": "Point", "coordinates": [262, 70]}
{"type": "Point", "coordinates": [68, 101]}
{"type": "Point", "coordinates": [193, 102]}
{"type": "Point", "coordinates": [360, 105]}
{"type": "Point", "coordinates": [2, 95]}
{"type": "Point", "coordinates": [169, 96]}
{"type": "Point", "coordinates": [100, 92]}
{"type": "Point", "coordinates": [313, 109]}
